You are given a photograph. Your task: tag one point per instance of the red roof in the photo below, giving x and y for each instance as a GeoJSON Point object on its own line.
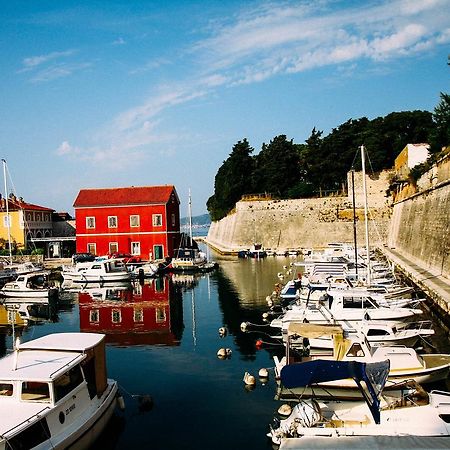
{"type": "Point", "coordinates": [125, 196]}
{"type": "Point", "coordinates": [14, 204]}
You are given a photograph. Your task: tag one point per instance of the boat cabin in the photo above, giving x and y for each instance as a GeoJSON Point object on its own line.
{"type": "Point", "coordinates": [62, 371]}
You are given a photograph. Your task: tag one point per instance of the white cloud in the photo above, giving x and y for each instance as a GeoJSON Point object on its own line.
{"type": "Point", "coordinates": [270, 40]}
{"type": "Point", "coordinates": [34, 61]}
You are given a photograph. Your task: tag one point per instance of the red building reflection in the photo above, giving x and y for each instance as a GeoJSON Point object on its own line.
{"type": "Point", "coordinates": [137, 314]}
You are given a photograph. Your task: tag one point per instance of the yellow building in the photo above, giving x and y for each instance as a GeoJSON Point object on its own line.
{"type": "Point", "coordinates": [409, 157]}
{"type": "Point", "coordinates": [26, 222]}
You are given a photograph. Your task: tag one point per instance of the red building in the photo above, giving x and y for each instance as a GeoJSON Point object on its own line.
{"type": "Point", "coordinates": [150, 314]}
{"type": "Point", "coordinates": [143, 221]}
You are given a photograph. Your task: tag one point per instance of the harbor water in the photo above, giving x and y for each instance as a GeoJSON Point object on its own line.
{"type": "Point", "coordinates": [162, 343]}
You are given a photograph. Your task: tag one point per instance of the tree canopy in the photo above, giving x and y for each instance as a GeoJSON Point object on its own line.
{"type": "Point", "coordinates": [288, 170]}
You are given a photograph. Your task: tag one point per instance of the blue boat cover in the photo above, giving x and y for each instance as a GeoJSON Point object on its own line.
{"type": "Point", "coordinates": [308, 373]}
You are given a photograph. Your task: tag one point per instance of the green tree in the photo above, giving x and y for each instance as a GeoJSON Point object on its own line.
{"type": "Point", "coordinates": [232, 180]}
{"type": "Point", "coordinates": [277, 167]}
{"type": "Point", "coordinates": [441, 118]}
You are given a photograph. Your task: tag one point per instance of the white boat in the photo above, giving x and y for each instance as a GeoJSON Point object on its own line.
{"type": "Point", "coordinates": [344, 307]}
{"type": "Point", "coordinates": [30, 285]}
{"type": "Point", "coordinates": [104, 271]}
{"type": "Point", "coordinates": [405, 363]}
{"type": "Point", "coordinates": [54, 392]}
{"type": "Point", "coordinates": [414, 413]}
{"type": "Point", "coordinates": [143, 269]}
{"type": "Point", "coordinates": [188, 257]}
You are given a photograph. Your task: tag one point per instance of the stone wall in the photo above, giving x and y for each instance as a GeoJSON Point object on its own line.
{"type": "Point", "coordinates": [420, 228]}
{"type": "Point", "coordinates": [303, 223]}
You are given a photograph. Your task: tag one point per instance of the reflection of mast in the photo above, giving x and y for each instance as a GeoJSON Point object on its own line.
{"type": "Point", "coordinates": [194, 332]}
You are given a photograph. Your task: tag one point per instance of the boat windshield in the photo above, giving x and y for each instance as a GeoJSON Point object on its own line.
{"type": "Point", "coordinates": [35, 391]}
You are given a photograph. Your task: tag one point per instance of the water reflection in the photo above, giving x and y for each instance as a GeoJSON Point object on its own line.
{"type": "Point", "coordinates": [148, 313]}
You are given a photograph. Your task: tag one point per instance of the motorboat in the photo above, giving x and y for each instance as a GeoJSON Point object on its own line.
{"type": "Point", "coordinates": [104, 271]}
{"type": "Point", "coordinates": [380, 413]}
{"type": "Point", "coordinates": [405, 362]}
{"type": "Point", "coordinates": [146, 270]}
{"type": "Point", "coordinates": [30, 285]}
{"type": "Point", "coordinates": [345, 306]}
{"type": "Point", "coordinates": [54, 392]}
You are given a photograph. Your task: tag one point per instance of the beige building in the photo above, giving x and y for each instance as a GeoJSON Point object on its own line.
{"type": "Point", "coordinates": [409, 157]}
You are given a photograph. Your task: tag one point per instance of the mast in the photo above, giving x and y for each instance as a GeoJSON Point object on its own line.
{"type": "Point", "coordinates": [354, 221]}
{"type": "Point", "coordinates": [7, 211]}
{"type": "Point", "coordinates": [190, 217]}
{"type": "Point", "coordinates": [366, 221]}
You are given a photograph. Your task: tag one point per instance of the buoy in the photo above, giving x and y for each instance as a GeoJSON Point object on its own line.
{"type": "Point", "coordinates": [120, 402]}
{"type": "Point", "coordinates": [224, 353]}
{"type": "Point", "coordinates": [263, 373]}
{"type": "Point", "coordinates": [244, 326]}
{"type": "Point", "coordinates": [284, 267]}
{"type": "Point", "coordinates": [269, 303]}
{"type": "Point", "coordinates": [249, 379]}
{"type": "Point", "coordinates": [259, 344]}
{"type": "Point", "coordinates": [284, 410]}
{"type": "Point", "coordinates": [221, 353]}
{"type": "Point", "coordinates": [222, 331]}
{"type": "Point", "coordinates": [265, 316]}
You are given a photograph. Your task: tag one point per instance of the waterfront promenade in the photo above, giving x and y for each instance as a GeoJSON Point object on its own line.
{"type": "Point", "coordinates": [433, 283]}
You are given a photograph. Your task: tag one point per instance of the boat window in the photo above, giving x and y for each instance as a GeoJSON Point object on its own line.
{"type": "Point", "coordinates": [6, 389]}
{"type": "Point", "coordinates": [67, 382]}
{"type": "Point", "coordinates": [35, 391]}
{"type": "Point", "coordinates": [355, 350]}
{"type": "Point", "coordinates": [375, 332]}
{"type": "Point", "coordinates": [31, 437]}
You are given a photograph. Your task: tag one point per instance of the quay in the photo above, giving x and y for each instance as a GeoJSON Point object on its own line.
{"type": "Point", "coordinates": [431, 282]}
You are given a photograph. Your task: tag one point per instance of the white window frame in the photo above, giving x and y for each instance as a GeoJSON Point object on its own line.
{"type": "Point", "coordinates": [116, 315]}
{"type": "Point", "coordinates": [91, 246]}
{"type": "Point", "coordinates": [135, 248]}
{"type": "Point", "coordinates": [157, 220]}
{"type": "Point", "coordinates": [90, 219]}
{"type": "Point", "coordinates": [111, 250]}
{"type": "Point", "coordinates": [138, 315]}
{"type": "Point", "coordinates": [160, 315]}
{"type": "Point", "coordinates": [138, 220]}
{"type": "Point", "coordinates": [114, 220]}
{"type": "Point", "coordinates": [94, 316]}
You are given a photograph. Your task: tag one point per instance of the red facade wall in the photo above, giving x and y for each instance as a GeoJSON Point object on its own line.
{"type": "Point", "coordinates": [167, 236]}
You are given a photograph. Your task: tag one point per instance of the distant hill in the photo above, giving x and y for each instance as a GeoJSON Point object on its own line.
{"type": "Point", "coordinates": [203, 220]}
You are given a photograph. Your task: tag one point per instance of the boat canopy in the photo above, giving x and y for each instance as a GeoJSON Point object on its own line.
{"type": "Point", "coordinates": [308, 373]}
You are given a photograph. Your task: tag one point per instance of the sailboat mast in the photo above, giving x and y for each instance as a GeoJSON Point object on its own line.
{"type": "Point", "coordinates": [7, 210]}
{"type": "Point", "coordinates": [190, 217]}
{"type": "Point", "coordinates": [366, 220]}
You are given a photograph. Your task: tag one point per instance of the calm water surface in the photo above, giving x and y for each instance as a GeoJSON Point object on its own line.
{"type": "Point", "coordinates": [162, 341]}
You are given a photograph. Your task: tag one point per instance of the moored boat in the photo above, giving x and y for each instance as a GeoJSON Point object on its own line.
{"type": "Point", "coordinates": [55, 392]}
{"type": "Point", "coordinates": [30, 285]}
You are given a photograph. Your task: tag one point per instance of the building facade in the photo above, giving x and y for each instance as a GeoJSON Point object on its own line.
{"type": "Point", "coordinates": [23, 222]}
{"type": "Point", "coordinates": [409, 157]}
{"type": "Point", "coordinates": [143, 221]}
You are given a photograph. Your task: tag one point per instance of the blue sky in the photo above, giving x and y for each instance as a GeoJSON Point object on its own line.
{"type": "Point", "coordinates": [120, 93]}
